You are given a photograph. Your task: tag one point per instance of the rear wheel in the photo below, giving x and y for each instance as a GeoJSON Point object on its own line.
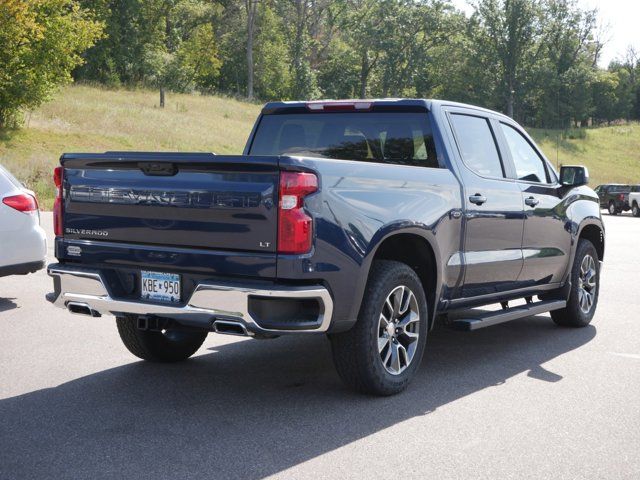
{"type": "Point", "coordinates": [612, 208]}
{"type": "Point", "coordinates": [158, 346]}
{"type": "Point", "coordinates": [585, 286]}
{"type": "Point", "coordinates": [635, 210]}
{"type": "Point", "coordinates": [382, 352]}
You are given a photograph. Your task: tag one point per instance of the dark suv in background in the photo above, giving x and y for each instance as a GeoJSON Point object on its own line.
{"type": "Point", "coordinates": [614, 197]}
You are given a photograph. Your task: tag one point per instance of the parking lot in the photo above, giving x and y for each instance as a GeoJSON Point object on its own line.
{"type": "Point", "coordinates": [525, 399]}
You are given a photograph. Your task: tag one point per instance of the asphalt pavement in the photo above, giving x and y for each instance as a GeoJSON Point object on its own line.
{"type": "Point", "coordinates": [521, 400]}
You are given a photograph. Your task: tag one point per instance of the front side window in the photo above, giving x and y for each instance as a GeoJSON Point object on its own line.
{"type": "Point", "coordinates": [477, 145]}
{"type": "Point", "coordinates": [529, 165]}
{"type": "Point", "coordinates": [388, 137]}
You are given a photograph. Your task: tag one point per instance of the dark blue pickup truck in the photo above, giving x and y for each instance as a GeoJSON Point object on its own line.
{"type": "Point", "coordinates": [366, 220]}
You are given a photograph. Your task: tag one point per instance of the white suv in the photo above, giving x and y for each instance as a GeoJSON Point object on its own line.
{"type": "Point", "coordinates": [23, 243]}
{"type": "Point", "coordinates": [634, 200]}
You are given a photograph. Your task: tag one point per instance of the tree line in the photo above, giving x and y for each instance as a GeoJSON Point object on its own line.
{"type": "Point", "coordinates": [535, 60]}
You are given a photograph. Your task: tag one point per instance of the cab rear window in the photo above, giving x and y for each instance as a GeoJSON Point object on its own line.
{"type": "Point", "coordinates": [400, 138]}
{"type": "Point", "coordinates": [619, 188]}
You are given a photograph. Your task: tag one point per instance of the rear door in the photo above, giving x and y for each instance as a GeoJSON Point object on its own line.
{"type": "Point", "coordinates": [493, 208]}
{"type": "Point", "coordinates": [202, 201]}
{"type": "Point", "coordinates": [546, 241]}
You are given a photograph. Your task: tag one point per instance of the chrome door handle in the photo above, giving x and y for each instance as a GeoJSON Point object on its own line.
{"type": "Point", "coordinates": [478, 199]}
{"type": "Point", "coordinates": [531, 201]}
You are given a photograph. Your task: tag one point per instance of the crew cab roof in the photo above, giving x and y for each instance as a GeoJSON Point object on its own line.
{"type": "Point", "coordinates": [376, 104]}
{"type": "Point", "coordinates": [382, 104]}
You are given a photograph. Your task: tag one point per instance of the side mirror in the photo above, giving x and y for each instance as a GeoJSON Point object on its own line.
{"type": "Point", "coordinates": [574, 175]}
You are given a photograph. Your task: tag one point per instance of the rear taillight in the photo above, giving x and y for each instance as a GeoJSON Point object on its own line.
{"type": "Point", "coordinates": [295, 227]}
{"type": "Point", "coordinates": [23, 203]}
{"type": "Point", "coordinates": [58, 173]}
{"type": "Point", "coordinates": [621, 197]}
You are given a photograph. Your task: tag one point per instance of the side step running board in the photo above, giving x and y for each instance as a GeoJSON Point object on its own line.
{"type": "Point", "coordinates": [505, 315]}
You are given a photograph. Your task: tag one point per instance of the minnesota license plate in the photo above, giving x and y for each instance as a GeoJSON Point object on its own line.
{"type": "Point", "coordinates": [164, 287]}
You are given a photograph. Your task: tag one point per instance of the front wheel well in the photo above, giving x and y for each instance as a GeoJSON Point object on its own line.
{"type": "Point", "coordinates": [595, 235]}
{"type": "Point", "coordinates": [417, 253]}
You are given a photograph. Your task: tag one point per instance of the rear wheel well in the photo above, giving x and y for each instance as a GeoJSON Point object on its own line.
{"type": "Point", "coordinates": [595, 235]}
{"type": "Point", "coordinates": [416, 252]}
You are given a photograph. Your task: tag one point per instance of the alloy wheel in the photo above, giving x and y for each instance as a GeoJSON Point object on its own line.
{"type": "Point", "coordinates": [587, 284]}
{"type": "Point", "coordinates": [398, 330]}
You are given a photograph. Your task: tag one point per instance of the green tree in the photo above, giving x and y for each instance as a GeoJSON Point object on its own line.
{"type": "Point", "coordinates": [363, 27]}
{"type": "Point", "coordinates": [508, 30]}
{"type": "Point", "coordinates": [536, 60]}
{"type": "Point", "coordinates": [604, 97]}
{"type": "Point", "coordinates": [299, 17]}
{"type": "Point", "coordinates": [230, 32]}
{"type": "Point", "coordinates": [134, 34]}
{"type": "Point", "coordinates": [198, 57]}
{"type": "Point", "coordinates": [628, 72]}
{"type": "Point", "coordinates": [251, 11]}
{"type": "Point", "coordinates": [565, 65]}
{"type": "Point", "coordinates": [272, 73]}
{"type": "Point", "coordinates": [624, 95]}
{"type": "Point", "coordinates": [338, 74]}
{"type": "Point", "coordinates": [41, 44]}
{"type": "Point", "coordinates": [454, 67]}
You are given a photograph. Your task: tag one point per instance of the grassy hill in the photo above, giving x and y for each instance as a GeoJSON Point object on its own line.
{"type": "Point", "coordinates": [90, 119]}
{"type": "Point", "coordinates": [612, 154]}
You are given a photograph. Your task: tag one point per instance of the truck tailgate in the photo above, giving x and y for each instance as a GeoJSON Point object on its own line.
{"type": "Point", "coordinates": [197, 200]}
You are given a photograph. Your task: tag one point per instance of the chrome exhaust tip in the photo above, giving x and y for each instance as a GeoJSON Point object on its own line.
{"type": "Point", "coordinates": [81, 309]}
{"type": "Point", "coordinates": [227, 327]}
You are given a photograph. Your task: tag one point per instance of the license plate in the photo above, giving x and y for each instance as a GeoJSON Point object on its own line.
{"type": "Point", "coordinates": [164, 287]}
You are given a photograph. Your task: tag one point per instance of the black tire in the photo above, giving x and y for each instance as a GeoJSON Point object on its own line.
{"type": "Point", "coordinates": [356, 353]}
{"type": "Point", "coordinates": [635, 210]}
{"type": "Point", "coordinates": [573, 315]}
{"type": "Point", "coordinates": [154, 346]}
{"type": "Point", "coordinates": [612, 208]}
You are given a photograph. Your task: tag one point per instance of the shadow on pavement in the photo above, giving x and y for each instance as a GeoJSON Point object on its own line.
{"type": "Point", "coordinates": [251, 408]}
{"type": "Point", "coordinates": [7, 304]}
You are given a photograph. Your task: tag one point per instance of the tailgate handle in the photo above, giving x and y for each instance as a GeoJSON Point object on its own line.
{"type": "Point", "coordinates": [158, 168]}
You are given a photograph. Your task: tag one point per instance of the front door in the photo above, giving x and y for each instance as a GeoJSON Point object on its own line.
{"type": "Point", "coordinates": [546, 241]}
{"type": "Point", "coordinates": [493, 210]}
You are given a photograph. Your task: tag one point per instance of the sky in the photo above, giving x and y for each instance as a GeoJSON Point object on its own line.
{"type": "Point", "coordinates": [621, 17]}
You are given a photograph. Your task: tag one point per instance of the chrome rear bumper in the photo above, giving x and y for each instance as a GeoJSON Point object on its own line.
{"type": "Point", "coordinates": [83, 290]}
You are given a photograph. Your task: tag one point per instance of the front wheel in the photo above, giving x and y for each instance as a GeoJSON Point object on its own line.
{"type": "Point", "coordinates": [382, 352]}
{"type": "Point", "coordinates": [158, 346]}
{"type": "Point", "coordinates": [612, 208]}
{"type": "Point", "coordinates": [585, 286]}
{"type": "Point", "coordinates": [635, 210]}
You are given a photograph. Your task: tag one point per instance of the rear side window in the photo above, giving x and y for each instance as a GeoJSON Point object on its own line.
{"type": "Point", "coordinates": [396, 137]}
{"type": "Point", "coordinates": [529, 165]}
{"type": "Point", "coordinates": [477, 145]}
